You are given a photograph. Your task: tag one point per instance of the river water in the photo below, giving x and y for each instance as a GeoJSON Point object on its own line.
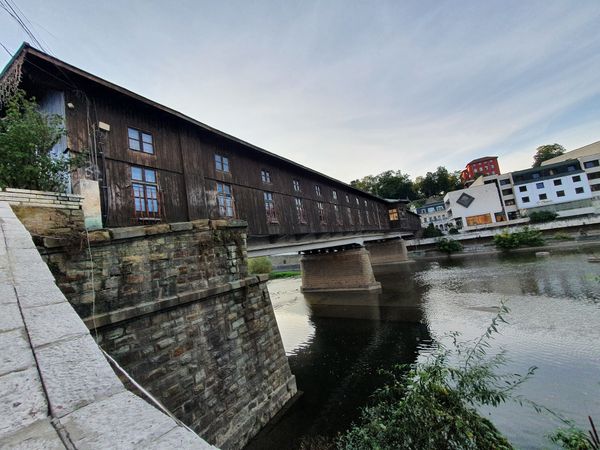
{"type": "Point", "coordinates": [337, 343]}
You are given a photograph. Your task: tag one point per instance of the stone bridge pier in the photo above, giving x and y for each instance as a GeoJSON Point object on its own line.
{"type": "Point", "coordinates": [349, 268]}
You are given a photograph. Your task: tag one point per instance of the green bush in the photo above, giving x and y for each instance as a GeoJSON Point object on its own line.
{"type": "Point", "coordinates": [287, 274]}
{"type": "Point", "coordinates": [449, 246]}
{"type": "Point", "coordinates": [453, 231]}
{"type": "Point", "coordinates": [561, 236]}
{"type": "Point", "coordinates": [26, 138]}
{"type": "Point", "coordinates": [433, 405]}
{"type": "Point", "coordinates": [262, 264]}
{"type": "Point", "coordinates": [431, 232]}
{"type": "Point", "coordinates": [542, 216]}
{"type": "Point", "coordinates": [529, 237]}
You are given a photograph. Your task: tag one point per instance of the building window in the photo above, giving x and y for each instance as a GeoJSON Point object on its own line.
{"type": "Point", "coordinates": [224, 200]}
{"type": "Point", "coordinates": [571, 169]}
{"type": "Point", "coordinates": [576, 178]}
{"type": "Point", "coordinates": [557, 182]}
{"type": "Point", "coordinates": [296, 185]}
{"type": "Point", "coordinates": [539, 185]}
{"type": "Point", "coordinates": [394, 214]}
{"type": "Point", "coordinates": [543, 197]}
{"type": "Point", "coordinates": [510, 202]}
{"type": "Point", "coordinates": [507, 192]}
{"type": "Point", "coordinates": [222, 163]}
{"type": "Point", "coordinates": [270, 207]}
{"type": "Point", "coordinates": [590, 164]}
{"type": "Point", "coordinates": [349, 212]}
{"type": "Point", "coordinates": [347, 198]}
{"type": "Point", "coordinates": [321, 211]}
{"type": "Point", "coordinates": [504, 182]}
{"type": "Point", "coordinates": [338, 217]}
{"type": "Point", "coordinates": [579, 190]}
{"type": "Point", "coordinates": [525, 199]}
{"type": "Point", "coordinates": [593, 176]}
{"type": "Point", "coordinates": [145, 192]}
{"type": "Point", "coordinates": [334, 195]}
{"type": "Point", "coordinates": [481, 219]}
{"type": "Point", "coordinates": [522, 188]}
{"type": "Point", "coordinates": [560, 193]}
{"type": "Point", "coordinates": [300, 210]}
{"type": "Point", "coordinates": [265, 176]}
{"type": "Point", "coordinates": [465, 200]}
{"type": "Point", "coordinates": [140, 141]}
{"type": "Point", "coordinates": [318, 190]}
{"type": "Point", "coordinates": [595, 187]}
{"type": "Point", "coordinates": [357, 201]}
{"type": "Point", "coordinates": [535, 175]}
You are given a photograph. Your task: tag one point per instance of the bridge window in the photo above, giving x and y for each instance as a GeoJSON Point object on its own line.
{"type": "Point", "coordinates": [321, 211]}
{"type": "Point", "coordinates": [368, 217]}
{"type": "Point", "coordinates": [300, 210]}
{"type": "Point", "coordinates": [225, 200]}
{"type": "Point", "coordinates": [357, 202]}
{"type": "Point", "coordinates": [140, 141]}
{"type": "Point", "coordinates": [270, 208]}
{"type": "Point", "coordinates": [265, 176]}
{"type": "Point", "coordinates": [360, 219]}
{"type": "Point", "coordinates": [318, 190]}
{"type": "Point", "coordinates": [349, 212]}
{"type": "Point", "coordinates": [296, 184]}
{"type": "Point", "coordinates": [347, 199]}
{"type": "Point", "coordinates": [334, 195]}
{"type": "Point", "coordinates": [394, 214]}
{"type": "Point", "coordinates": [338, 217]}
{"type": "Point", "coordinates": [145, 193]}
{"type": "Point", "coordinates": [222, 163]}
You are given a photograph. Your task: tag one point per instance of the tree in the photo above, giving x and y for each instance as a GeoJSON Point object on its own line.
{"type": "Point", "coordinates": [546, 152]}
{"type": "Point", "coordinates": [449, 246]}
{"type": "Point", "coordinates": [26, 138]}
{"type": "Point", "coordinates": [388, 184]}
{"type": "Point", "coordinates": [438, 183]}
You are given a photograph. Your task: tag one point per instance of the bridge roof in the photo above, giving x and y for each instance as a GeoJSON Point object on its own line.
{"type": "Point", "coordinates": [28, 52]}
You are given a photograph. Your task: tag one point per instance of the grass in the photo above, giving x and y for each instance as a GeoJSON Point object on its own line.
{"type": "Point", "coordinates": [287, 274]}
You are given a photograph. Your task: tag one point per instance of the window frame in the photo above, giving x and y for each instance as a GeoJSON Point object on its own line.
{"type": "Point", "coordinates": [141, 203]}
{"type": "Point", "coordinates": [140, 140]}
{"type": "Point", "coordinates": [223, 206]}
{"type": "Point", "coordinates": [300, 212]}
{"type": "Point", "coordinates": [265, 176]}
{"type": "Point", "coordinates": [223, 161]}
{"type": "Point", "coordinates": [270, 209]}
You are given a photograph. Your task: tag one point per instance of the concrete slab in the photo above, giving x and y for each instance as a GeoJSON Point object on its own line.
{"type": "Point", "coordinates": [75, 374]}
{"type": "Point", "coordinates": [15, 353]}
{"type": "Point", "coordinates": [33, 294]}
{"type": "Point", "coordinates": [10, 317]}
{"type": "Point", "coordinates": [127, 421]}
{"type": "Point", "coordinates": [22, 401]}
{"type": "Point", "coordinates": [39, 436]}
{"type": "Point", "coordinates": [178, 438]}
{"type": "Point", "coordinates": [52, 323]}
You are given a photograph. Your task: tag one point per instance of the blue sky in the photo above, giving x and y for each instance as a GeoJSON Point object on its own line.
{"type": "Point", "coordinates": [349, 88]}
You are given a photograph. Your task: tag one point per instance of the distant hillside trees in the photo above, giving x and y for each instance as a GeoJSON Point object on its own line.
{"type": "Point", "coordinates": [395, 184]}
{"type": "Point", "coordinates": [546, 152]}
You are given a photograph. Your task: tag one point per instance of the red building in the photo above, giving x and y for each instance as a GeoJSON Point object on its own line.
{"type": "Point", "coordinates": [488, 165]}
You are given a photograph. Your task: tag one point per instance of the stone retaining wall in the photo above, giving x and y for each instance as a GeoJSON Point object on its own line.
{"type": "Point", "coordinates": [41, 199]}
{"type": "Point", "coordinates": [174, 305]}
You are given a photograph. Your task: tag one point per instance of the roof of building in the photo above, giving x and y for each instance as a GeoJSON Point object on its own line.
{"type": "Point", "coordinates": [26, 49]}
{"type": "Point", "coordinates": [483, 158]}
{"type": "Point", "coordinates": [586, 150]}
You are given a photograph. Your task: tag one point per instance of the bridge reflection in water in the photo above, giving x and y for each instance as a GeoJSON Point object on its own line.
{"type": "Point", "coordinates": [337, 343]}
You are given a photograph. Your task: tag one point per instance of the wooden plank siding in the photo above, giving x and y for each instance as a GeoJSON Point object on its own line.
{"type": "Point", "coordinates": [184, 161]}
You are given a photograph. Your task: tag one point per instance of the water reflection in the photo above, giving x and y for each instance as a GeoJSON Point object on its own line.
{"type": "Point", "coordinates": [337, 343]}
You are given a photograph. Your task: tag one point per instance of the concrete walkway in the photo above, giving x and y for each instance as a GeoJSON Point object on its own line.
{"type": "Point", "coordinates": [57, 391]}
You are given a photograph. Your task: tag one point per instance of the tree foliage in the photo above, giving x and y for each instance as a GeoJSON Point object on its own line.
{"type": "Point", "coordinates": [449, 246]}
{"type": "Point", "coordinates": [260, 264]}
{"type": "Point", "coordinates": [438, 183]}
{"type": "Point", "coordinates": [528, 237]}
{"type": "Point", "coordinates": [542, 216]}
{"type": "Point", "coordinates": [546, 152]}
{"type": "Point", "coordinates": [26, 138]}
{"type": "Point", "coordinates": [431, 232]}
{"type": "Point", "coordinates": [433, 405]}
{"type": "Point", "coordinates": [388, 184]}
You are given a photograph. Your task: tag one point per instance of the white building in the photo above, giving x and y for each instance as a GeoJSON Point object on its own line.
{"type": "Point", "coordinates": [562, 187]}
{"type": "Point", "coordinates": [434, 212]}
{"type": "Point", "coordinates": [478, 205]}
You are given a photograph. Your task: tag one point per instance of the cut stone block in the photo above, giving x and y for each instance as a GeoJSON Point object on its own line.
{"type": "Point", "coordinates": [39, 436]}
{"type": "Point", "coordinates": [51, 323]}
{"type": "Point", "coordinates": [15, 352]}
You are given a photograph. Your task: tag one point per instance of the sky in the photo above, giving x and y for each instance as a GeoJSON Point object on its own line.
{"type": "Point", "coordinates": [348, 88]}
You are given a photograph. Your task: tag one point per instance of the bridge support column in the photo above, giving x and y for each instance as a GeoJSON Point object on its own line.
{"type": "Point", "coordinates": [338, 270]}
{"type": "Point", "coordinates": [388, 251]}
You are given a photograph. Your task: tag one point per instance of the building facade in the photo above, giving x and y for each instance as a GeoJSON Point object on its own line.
{"type": "Point", "coordinates": [155, 164]}
{"type": "Point", "coordinates": [478, 205]}
{"type": "Point", "coordinates": [487, 165]}
{"type": "Point", "coordinates": [434, 212]}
